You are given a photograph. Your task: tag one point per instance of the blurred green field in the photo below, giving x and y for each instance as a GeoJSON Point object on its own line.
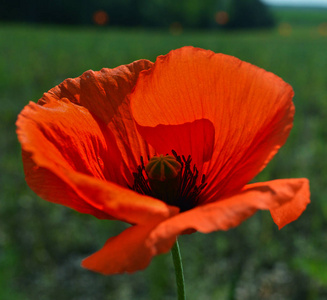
{"type": "Point", "coordinates": [309, 16]}
{"type": "Point", "coordinates": [42, 244]}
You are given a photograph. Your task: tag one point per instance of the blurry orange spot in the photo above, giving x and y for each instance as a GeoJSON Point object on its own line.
{"type": "Point", "coordinates": [221, 17]}
{"type": "Point", "coordinates": [322, 29]}
{"type": "Point", "coordinates": [285, 29]}
{"type": "Point", "coordinates": [176, 28]}
{"type": "Point", "coordinates": [100, 17]}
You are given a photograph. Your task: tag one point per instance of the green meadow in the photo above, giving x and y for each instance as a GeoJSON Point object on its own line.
{"type": "Point", "coordinates": [42, 244]}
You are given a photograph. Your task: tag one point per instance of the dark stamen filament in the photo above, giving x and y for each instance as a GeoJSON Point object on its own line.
{"type": "Point", "coordinates": [187, 193]}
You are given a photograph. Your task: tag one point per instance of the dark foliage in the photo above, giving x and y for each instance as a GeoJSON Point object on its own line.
{"type": "Point", "coordinates": [141, 13]}
{"type": "Point", "coordinates": [246, 14]}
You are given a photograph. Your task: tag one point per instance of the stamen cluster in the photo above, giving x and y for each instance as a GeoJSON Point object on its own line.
{"type": "Point", "coordinates": [182, 192]}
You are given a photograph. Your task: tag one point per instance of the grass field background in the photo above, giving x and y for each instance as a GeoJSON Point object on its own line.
{"type": "Point", "coordinates": [42, 244]}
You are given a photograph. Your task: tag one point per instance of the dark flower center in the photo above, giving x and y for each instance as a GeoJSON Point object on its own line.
{"type": "Point", "coordinates": [171, 179]}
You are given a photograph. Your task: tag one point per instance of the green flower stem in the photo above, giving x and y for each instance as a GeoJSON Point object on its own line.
{"type": "Point", "coordinates": [177, 259]}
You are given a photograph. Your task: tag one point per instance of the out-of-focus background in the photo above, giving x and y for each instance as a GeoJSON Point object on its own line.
{"type": "Point", "coordinates": [42, 244]}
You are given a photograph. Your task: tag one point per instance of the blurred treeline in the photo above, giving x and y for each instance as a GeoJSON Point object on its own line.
{"type": "Point", "coordinates": [142, 13]}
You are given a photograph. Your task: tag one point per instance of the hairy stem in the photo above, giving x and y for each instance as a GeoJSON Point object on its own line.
{"type": "Point", "coordinates": [177, 259]}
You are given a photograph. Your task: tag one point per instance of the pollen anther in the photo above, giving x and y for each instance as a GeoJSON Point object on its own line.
{"type": "Point", "coordinates": [171, 179]}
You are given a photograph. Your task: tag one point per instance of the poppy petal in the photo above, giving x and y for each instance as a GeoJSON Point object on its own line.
{"type": "Point", "coordinates": [127, 252]}
{"type": "Point", "coordinates": [63, 136]}
{"type": "Point", "coordinates": [251, 111]}
{"type": "Point", "coordinates": [69, 158]}
{"type": "Point", "coordinates": [101, 92]}
{"type": "Point", "coordinates": [285, 198]}
{"type": "Point", "coordinates": [103, 199]}
{"type": "Point", "coordinates": [71, 137]}
{"type": "Point", "coordinates": [53, 188]}
{"type": "Point", "coordinates": [165, 138]}
{"type": "Point", "coordinates": [105, 94]}
{"type": "Point", "coordinates": [134, 248]}
{"type": "Point", "coordinates": [118, 202]}
{"type": "Point", "coordinates": [290, 211]}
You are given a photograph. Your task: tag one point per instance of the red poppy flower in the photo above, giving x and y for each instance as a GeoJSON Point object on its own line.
{"type": "Point", "coordinates": [86, 142]}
